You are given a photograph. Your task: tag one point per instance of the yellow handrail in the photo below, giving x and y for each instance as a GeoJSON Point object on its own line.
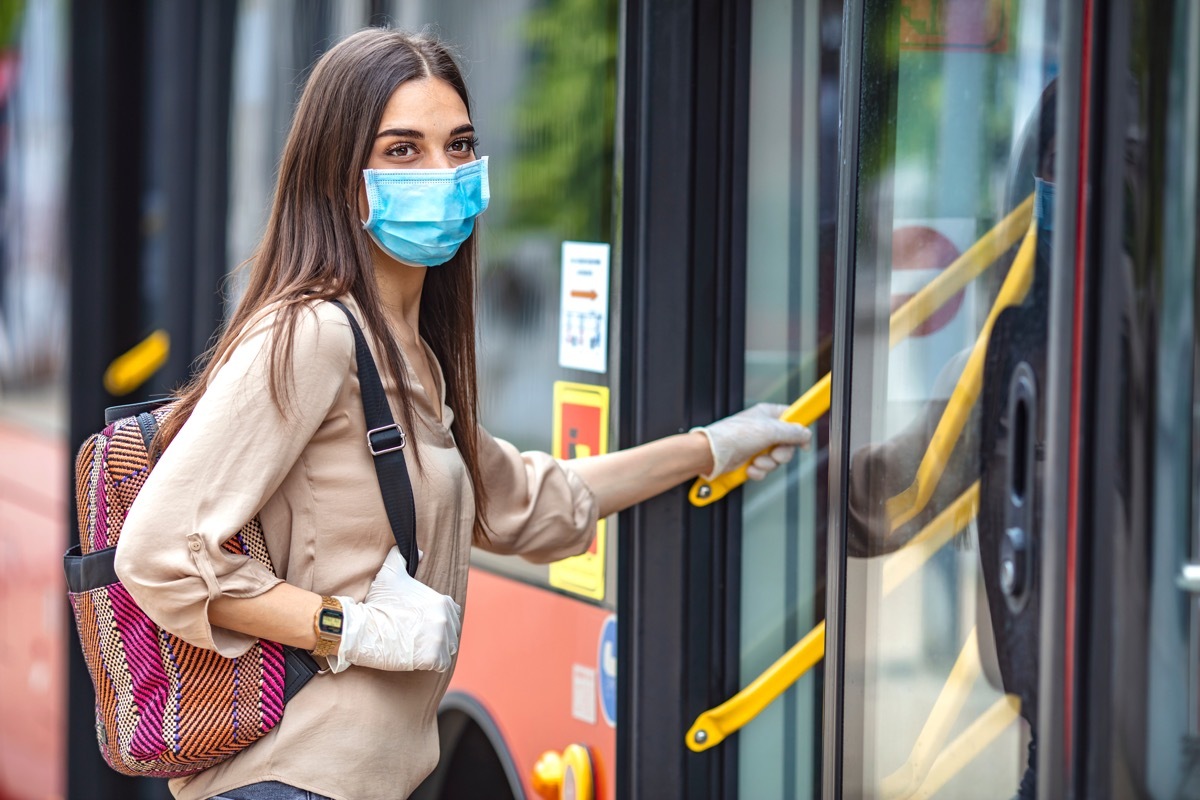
{"type": "Point", "coordinates": [713, 726]}
{"type": "Point", "coordinates": [811, 406]}
{"type": "Point", "coordinates": [815, 402]}
{"type": "Point", "coordinates": [134, 367]}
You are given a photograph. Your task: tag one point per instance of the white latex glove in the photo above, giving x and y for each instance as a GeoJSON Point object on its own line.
{"type": "Point", "coordinates": [401, 625]}
{"type": "Point", "coordinates": [756, 433]}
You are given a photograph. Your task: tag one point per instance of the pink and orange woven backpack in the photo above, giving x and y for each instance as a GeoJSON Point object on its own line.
{"type": "Point", "coordinates": [164, 708]}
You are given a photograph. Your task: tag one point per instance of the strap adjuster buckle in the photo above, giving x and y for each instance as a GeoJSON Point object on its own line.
{"type": "Point", "coordinates": [387, 442]}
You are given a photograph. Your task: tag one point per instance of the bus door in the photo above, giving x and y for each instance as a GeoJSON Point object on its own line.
{"type": "Point", "coordinates": [939, 398]}
{"type": "Point", "coordinates": [773, 702]}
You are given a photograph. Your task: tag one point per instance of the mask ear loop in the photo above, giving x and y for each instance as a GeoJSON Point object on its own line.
{"type": "Point", "coordinates": [364, 186]}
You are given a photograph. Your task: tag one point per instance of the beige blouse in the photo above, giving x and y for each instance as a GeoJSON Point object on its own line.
{"type": "Point", "coordinates": [363, 734]}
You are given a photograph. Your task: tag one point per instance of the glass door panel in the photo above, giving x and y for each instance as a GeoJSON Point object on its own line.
{"type": "Point", "coordinates": [946, 357]}
{"type": "Point", "coordinates": [790, 213]}
{"type": "Point", "coordinates": [1172, 652]}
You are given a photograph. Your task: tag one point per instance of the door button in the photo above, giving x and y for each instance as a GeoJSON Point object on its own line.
{"type": "Point", "coordinates": [1014, 564]}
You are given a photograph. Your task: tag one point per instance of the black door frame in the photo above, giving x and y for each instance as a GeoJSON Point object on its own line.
{"type": "Point", "coordinates": [107, 68]}
{"type": "Point", "coordinates": [685, 108]}
{"type": "Point", "coordinates": [123, 89]}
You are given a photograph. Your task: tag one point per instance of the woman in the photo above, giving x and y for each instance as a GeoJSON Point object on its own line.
{"type": "Point", "coordinates": [282, 391]}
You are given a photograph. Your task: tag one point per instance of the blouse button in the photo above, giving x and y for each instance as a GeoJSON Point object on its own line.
{"type": "Point", "coordinates": [194, 544]}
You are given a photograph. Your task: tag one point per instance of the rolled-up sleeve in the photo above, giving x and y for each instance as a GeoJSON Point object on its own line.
{"type": "Point", "coordinates": [225, 463]}
{"type": "Point", "coordinates": [537, 507]}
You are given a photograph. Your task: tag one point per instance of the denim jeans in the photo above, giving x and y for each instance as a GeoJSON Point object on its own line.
{"type": "Point", "coordinates": [268, 790]}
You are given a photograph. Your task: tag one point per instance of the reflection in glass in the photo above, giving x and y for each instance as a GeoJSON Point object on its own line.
{"type": "Point", "coordinates": [947, 397]}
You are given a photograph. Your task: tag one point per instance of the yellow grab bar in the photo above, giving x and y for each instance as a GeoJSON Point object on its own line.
{"type": "Point", "coordinates": [906, 505]}
{"type": "Point", "coordinates": [811, 406]}
{"type": "Point", "coordinates": [966, 268]}
{"type": "Point", "coordinates": [713, 726]}
{"type": "Point", "coordinates": [134, 367]}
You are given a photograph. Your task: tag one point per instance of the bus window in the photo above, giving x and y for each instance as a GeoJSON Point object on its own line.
{"type": "Point", "coordinates": [543, 93]}
{"type": "Point", "coordinates": [945, 408]}
{"type": "Point", "coordinates": [790, 213]}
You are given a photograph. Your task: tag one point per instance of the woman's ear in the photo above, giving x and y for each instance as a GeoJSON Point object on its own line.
{"type": "Point", "coordinates": [364, 207]}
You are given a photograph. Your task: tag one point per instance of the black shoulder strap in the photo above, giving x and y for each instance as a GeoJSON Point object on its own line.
{"type": "Point", "coordinates": [386, 441]}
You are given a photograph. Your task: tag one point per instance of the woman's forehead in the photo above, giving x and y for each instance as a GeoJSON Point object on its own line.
{"type": "Point", "coordinates": [424, 102]}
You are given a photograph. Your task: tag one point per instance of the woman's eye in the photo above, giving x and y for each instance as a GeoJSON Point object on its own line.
{"type": "Point", "coordinates": [400, 150]}
{"type": "Point", "coordinates": [465, 145]}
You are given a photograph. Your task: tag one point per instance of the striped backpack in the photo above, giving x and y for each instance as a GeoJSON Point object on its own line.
{"type": "Point", "coordinates": [165, 708]}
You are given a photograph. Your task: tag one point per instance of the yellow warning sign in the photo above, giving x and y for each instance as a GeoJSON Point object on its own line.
{"type": "Point", "coordinates": [581, 430]}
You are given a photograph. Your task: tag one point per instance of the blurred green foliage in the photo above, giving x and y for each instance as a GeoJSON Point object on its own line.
{"type": "Point", "coordinates": [10, 22]}
{"type": "Point", "coordinates": [564, 121]}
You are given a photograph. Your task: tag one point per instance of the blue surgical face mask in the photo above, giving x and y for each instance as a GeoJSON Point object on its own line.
{"type": "Point", "coordinates": [422, 216]}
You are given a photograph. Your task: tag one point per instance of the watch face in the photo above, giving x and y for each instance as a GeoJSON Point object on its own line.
{"type": "Point", "coordinates": [330, 621]}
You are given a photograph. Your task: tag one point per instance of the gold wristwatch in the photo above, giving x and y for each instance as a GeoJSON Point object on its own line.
{"type": "Point", "coordinates": [328, 625]}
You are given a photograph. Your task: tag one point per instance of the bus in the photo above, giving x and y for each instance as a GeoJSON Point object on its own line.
{"type": "Point", "coordinates": [959, 239]}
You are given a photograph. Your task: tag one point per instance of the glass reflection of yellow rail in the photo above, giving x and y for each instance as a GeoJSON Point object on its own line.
{"type": "Point", "coordinates": [930, 765]}
{"type": "Point", "coordinates": [928, 746]}
{"type": "Point", "coordinates": [714, 725]}
{"type": "Point", "coordinates": [906, 505]}
{"type": "Point", "coordinates": [986, 728]}
{"type": "Point", "coordinates": [815, 402]}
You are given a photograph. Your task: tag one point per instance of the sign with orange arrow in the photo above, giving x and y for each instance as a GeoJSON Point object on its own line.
{"type": "Point", "coordinates": [583, 312]}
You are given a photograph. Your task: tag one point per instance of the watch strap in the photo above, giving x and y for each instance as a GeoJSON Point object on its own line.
{"type": "Point", "coordinates": [327, 642]}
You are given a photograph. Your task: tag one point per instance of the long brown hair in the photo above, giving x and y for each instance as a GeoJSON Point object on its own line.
{"type": "Point", "coordinates": [314, 247]}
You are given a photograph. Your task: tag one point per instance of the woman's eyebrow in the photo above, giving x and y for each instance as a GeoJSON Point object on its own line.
{"type": "Point", "coordinates": [406, 133]}
{"type": "Point", "coordinates": [409, 133]}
